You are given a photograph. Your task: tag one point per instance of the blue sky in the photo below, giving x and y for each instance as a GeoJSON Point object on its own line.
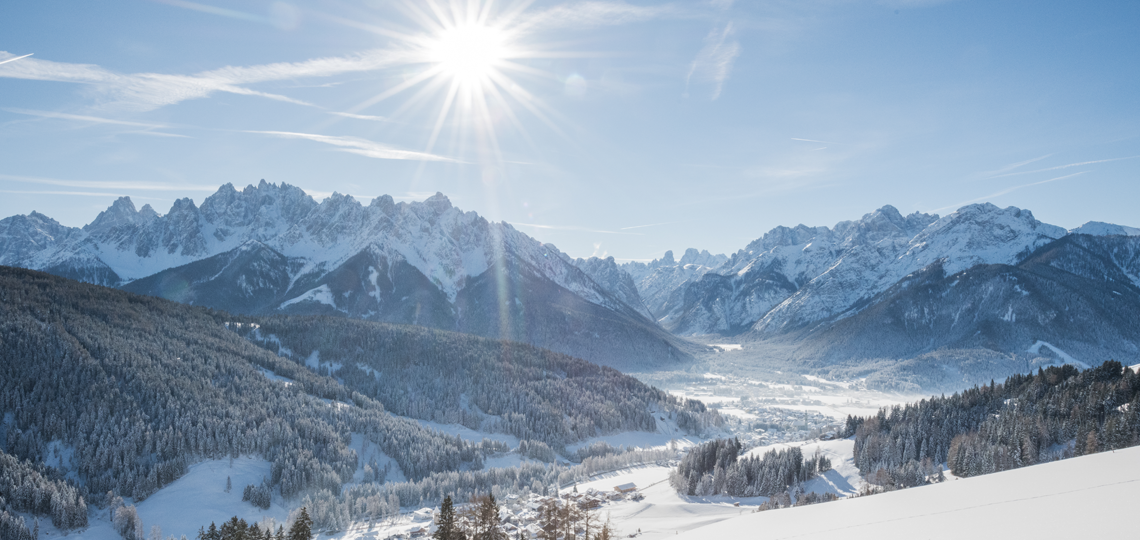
{"type": "Point", "coordinates": [606, 128]}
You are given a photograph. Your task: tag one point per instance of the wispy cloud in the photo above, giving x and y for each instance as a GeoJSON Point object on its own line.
{"type": "Point", "coordinates": [78, 194]}
{"type": "Point", "coordinates": [814, 141]}
{"type": "Point", "coordinates": [97, 184]}
{"type": "Point", "coordinates": [1006, 191]}
{"type": "Point", "coordinates": [593, 14]}
{"type": "Point", "coordinates": [1013, 166]}
{"type": "Point", "coordinates": [281, 14]}
{"type": "Point", "coordinates": [364, 147]}
{"type": "Point", "coordinates": [360, 116]}
{"type": "Point", "coordinates": [5, 61]}
{"type": "Point", "coordinates": [212, 10]}
{"type": "Point", "coordinates": [1059, 167]}
{"type": "Point", "coordinates": [149, 133]}
{"type": "Point", "coordinates": [714, 62]}
{"type": "Point", "coordinates": [84, 118]}
{"type": "Point", "coordinates": [572, 228]}
{"type": "Point", "coordinates": [650, 225]}
{"type": "Point", "coordinates": [147, 91]}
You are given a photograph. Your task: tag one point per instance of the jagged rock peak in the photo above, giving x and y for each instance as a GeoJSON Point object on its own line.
{"type": "Point", "coordinates": [701, 258]}
{"type": "Point", "coordinates": [668, 258]}
{"type": "Point", "coordinates": [995, 219]}
{"type": "Point", "coordinates": [122, 212]}
{"type": "Point", "coordinates": [385, 203]}
{"type": "Point", "coordinates": [438, 202]}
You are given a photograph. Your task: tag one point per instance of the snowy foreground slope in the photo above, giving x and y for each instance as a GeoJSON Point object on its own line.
{"type": "Point", "coordinates": [1087, 497]}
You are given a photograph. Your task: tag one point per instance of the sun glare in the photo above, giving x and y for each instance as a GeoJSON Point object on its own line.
{"type": "Point", "coordinates": [469, 53]}
{"type": "Point", "coordinates": [474, 56]}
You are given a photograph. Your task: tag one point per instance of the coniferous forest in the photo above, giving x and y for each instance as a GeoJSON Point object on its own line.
{"type": "Point", "coordinates": [1056, 413]}
{"type": "Point", "coordinates": [716, 468]}
{"type": "Point", "coordinates": [484, 384]}
{"type": "Point", "coordinates": [141, 388]}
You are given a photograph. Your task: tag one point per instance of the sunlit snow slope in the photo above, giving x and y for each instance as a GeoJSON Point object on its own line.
{"type": "Point", "coordinates": [1087, 497]}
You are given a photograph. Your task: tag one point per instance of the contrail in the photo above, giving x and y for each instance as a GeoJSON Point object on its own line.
{"type": "Point", "coordinates": [16, 58]}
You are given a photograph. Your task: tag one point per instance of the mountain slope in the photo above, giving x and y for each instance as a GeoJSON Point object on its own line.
{"type": "Point", "coordinates": [273, 249]}
{"type": "Point", "coordinates": [140, 388]}
{"type": "Point", "coordinates": [1022, 503]}
{"type": "Point", "coordinates": [1075, 300]}
{"type": "Point", "coordinates": [659, 281]}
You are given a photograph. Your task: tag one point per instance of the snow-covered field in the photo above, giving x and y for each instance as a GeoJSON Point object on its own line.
{"type": "Point", "coordinates": [1033, 502]}
{"type": "Point", "coordinates": [194, 501]}
{"type": "Point", "coordinates": [1088, 497]}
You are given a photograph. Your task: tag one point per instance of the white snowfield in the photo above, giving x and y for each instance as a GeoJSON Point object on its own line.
{"type": "Point", "coordinates": [1088, 497]}
{"type": "Point", "coordinates": [193, 502]}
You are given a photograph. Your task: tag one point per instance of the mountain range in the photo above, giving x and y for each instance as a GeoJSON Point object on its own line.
{"type": "Point", "coordinates": [981, 281]}
{"type": "Point", "coordinates": [933, 294]}
{"type": "Point", "coordinates": [273, 249]}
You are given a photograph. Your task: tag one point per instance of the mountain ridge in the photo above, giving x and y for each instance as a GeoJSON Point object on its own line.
{"type": "Point", "coordinates": [307, 250]}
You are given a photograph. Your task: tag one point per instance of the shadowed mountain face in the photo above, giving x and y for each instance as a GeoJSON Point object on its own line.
{"type": "Point", "coordinates": [1075, 300]}
{"type": "Point", "coordinates": [794, 277]}
{"type": "Point", "coordinates": [272, 249]}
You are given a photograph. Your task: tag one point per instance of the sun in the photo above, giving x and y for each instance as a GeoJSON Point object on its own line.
{"type": "Point", "coordinates": [469, 54]}
{"type": "Point", "coordinates": [470, 59]}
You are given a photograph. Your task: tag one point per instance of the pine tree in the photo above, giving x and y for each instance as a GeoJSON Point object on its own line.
{"type": "Point", "coordinates": [446, 528]}
{"type": "Point", "coordinates": [489, 520]}
{"type": "Point", "coordinates": [302, 528]}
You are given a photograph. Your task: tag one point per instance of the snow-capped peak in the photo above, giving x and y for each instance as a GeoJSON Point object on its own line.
{"type": "Point", "coordinates": [1098, 228]}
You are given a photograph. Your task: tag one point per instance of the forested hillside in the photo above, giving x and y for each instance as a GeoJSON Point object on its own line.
{"type": "Point", "coordinates": [134, 389]}
{"type": "Point", "coordinates": [484, 384]}
{"type": "Point", "coordinates": [31, 488]}
{"type": "Point", "coordinates": [1028, 419]}
{"type": "Point", "coordinates": [140, 388]}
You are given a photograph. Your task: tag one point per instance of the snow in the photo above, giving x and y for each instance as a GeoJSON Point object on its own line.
{"type": "Point", "coordinates": [320, 295]}
{"type": "Point", "coordinates": [727, 346]}
{"type": "Point", "coordinates": [275, 377]}
{"type": "Point", "coordinates": [1098, 228]}
{"type": "Point", "coordinates": [1086, 497]}
{"type": "Point", "coordinates": [842, 480]}
{"type": "Point", "coordinates": [469, 434]}
{"type": "Point", "coordinates": [821, 380]}
{"type": "Point", "coordinates": [1036, 349]}
{"type": "Point", "coordinates": [196, 500]}
{"type": "Point", "coordinates": [827, 270]}
{"type": "Point", "coordinates": [367, 452]}
{"type": "Point", "coordinates": [1009, 316]}
{"type": "Point", "coordinates": [314, 360]}
{"type": "Point", "coordinates": [662, 513]}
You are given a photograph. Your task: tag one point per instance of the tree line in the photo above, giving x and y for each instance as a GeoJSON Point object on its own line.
{"type": "Point", "coordinates": [1056, 413]}
{"type": "Point", "coordinates": [716, 467]}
